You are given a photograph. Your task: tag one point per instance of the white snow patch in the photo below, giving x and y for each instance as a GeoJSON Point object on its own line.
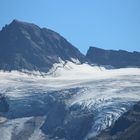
{"type": "Point", "coordinates": [12, 128]}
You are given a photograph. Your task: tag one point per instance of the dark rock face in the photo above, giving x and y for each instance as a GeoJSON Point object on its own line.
{"type": "Point", "coordinates": [127, 127]}
{"type": "Point", "coordinates": [66, 123]}
{"type": "Point", "coordinates": [27, 46]}
{"type": "Point", "coordinates": [117, 59]}
{"type": "Point", "coordinates": [4, 106]}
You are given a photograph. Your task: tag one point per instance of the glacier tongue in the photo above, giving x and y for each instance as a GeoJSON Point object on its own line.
{"type": "Point", "coordinates": [81, 88]}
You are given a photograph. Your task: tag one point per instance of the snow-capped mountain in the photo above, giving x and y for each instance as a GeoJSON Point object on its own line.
{"type": "Point", "coordinates": [27, 46]}
{"type": "Point", "coordinates": [50, 92]}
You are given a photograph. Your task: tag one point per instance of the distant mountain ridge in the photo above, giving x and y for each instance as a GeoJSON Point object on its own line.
{"type": "Point", "coordinates": [27, 46]}
{"type": "Point", "coordinates": [114, 58]}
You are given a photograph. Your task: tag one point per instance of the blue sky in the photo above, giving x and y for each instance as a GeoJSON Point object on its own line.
{"type": "Point", "coordinates": [108, 24]}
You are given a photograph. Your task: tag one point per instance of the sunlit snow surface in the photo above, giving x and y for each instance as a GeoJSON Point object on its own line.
{"type": "Point", "coordinates": [107, 93]}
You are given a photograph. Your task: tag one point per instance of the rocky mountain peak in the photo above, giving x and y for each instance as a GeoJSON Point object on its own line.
{"type": "Point", "coordinates": [27, 46]}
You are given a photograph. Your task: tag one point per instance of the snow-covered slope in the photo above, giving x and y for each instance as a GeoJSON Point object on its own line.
{"type": "Point", "coordinates": [105, 94]}
{"type": "Point", "coordinates": [17, 128]}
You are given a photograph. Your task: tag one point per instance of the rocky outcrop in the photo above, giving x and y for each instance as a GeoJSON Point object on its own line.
{"type": "Point", "coordinates": [4, 106]}
{"type": "Point", "coordinates": [113, 58]}
{"type": "Point", "coordinates": [66, 123]}
{"type": "Point", "coordinates": [27, 46]}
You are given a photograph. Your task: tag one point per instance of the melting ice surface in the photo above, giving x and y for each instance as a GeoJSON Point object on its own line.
{"type": "Point", "coordinates": [106, 93]}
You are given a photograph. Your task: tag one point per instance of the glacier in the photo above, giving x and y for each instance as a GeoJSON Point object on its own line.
{"type": "Point", "coordinates": [106, 94]}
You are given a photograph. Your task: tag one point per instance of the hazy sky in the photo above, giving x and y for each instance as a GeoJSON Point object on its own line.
{"type": "Point", "coordinates": [109, 24]}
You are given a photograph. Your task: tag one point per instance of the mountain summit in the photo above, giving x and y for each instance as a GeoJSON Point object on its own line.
{"type": "Point", "coordinates": [27, 46]}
